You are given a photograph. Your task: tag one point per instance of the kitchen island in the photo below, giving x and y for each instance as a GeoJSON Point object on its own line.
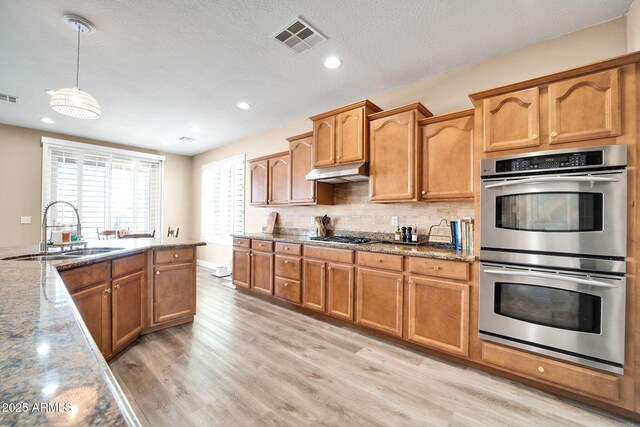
{"type": "Point", "coordinates": [51, 370]}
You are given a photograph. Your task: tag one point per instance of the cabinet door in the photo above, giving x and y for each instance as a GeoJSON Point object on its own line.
{"type": "Point", "coordinates": [279, 180]}
{"type": "Point", "coordinates": [324, 142]}
{"type": "Point", "coordinates": [447, 159]}
{"type": "Point", "coordinates": [241, 267]}
{"type": "Point", "coordinates": [313, 284]}
{"type": "Point", "coordinates": [438, 314]}
{"type": "Point", "coordinates": [350, 143]}
{"type": "Point", "coordinates": [94, 305]}
{"type": "Point", "coordinates": [174, 292]}
{"type": "Point", "coordinates": [340, 289]}
{"type": "Point", "coordinates": [262, 272]}
{"type": "Point", "coordinates": [585, 108]}
{"type": "Point", "coordinates": [393, 165]}
{"type": "Point", "coordinates": [258, 178]}
{"type": "Point", "coordinates": [126, 300]}
{"type": "Point", "coordinates": [512, 120]}
{"type": "Point", "coordinates": [300, 164]}
{"type": "Point", "coordinates": [379, 300]}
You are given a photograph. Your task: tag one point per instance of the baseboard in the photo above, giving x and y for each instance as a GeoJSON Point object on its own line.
{"type": "Point", "coordinates": [206, 264]}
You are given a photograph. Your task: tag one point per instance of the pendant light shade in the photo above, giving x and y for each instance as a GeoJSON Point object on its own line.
{"type": "Point", "coordinates": [71, 101]}
{"type": "Point", "coordinates": [74, 102]}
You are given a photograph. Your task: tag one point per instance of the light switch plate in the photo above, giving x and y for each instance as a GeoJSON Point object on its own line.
{"type": "Point", "coordinates": [25, 220]}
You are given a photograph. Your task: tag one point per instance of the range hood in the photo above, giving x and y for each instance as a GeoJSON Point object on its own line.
{"type": "Point", "coordinates": [341, 174]}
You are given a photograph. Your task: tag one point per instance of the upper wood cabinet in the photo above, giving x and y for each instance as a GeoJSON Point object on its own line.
{"type": "Point", "coordinates": [278, 178]}
{"type": "Point", "coordinates": [269, 180]}
{"type": "Point", "coordinates": [301, 191]}
{"type": "Point", "coordinates": [585, 108]}
{"type": "Point", "coordinates": [395, 154]}
{"type": "Point", "coordinates": [258, 171]}
{"type": "Point", "coordinates": [340, 135]}
{"type": "Point", "coordinates": [447, 156]}
{"type": "Point", "coordinates": [512, 120]}
{"type": "Point", "coordinates": [557, 110]}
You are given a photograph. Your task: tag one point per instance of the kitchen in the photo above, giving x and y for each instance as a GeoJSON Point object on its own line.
{"type": "Point", "coordinates": [462, 98]}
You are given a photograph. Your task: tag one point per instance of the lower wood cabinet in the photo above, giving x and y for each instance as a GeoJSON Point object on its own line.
{"type": "Point", "coordinates": [340, 289]}
{"type": "Point", "coordinates": [94, 305]}
{"type": "Point", "coordinates": [127, 308]}
{"type": "Point", "coordinates": [262, 272]}
{"type": "Point", "coordinates": [379, 299]}
{"type": "Point", "coordinates": [438, 314]}
{"type": "Point", "coordinates": [287, 289]}
{"type": "Point", "coordinates": [241, 271]}
{"type": "Point", "coordinates": [314, 281]}
{"type": "Point", "coordinates": [173, 292]}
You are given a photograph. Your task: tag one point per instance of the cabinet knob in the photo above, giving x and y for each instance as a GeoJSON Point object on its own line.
{"type": "Point", "coordinates": [176, 255]}
{"type": "Point", "coordinates": [424, 192]}
{"type": "Point", "coordinates": [286, 284]}
{"type": "Point", "coordinates": [554, 134]}
{"type": "Point", "coordinates": [379, 260]}
{"type": "Point", "coordinates": [286, 262]}
{"type": "Point", "coordinates": [541, 369]}
{"type": "Point", "coordinates": [370, 195]}
{"type": "Point", "coordinates": [117, 286]}
{"type": "Point", "coordinates": [329, 269]}
{"type": "Point", "coordinates": [534, 136]}
{"type": "Point", "coordinates": [107, 291]}
{"type": "Point", "coordinates": [436, 267]}
{"type": "Point", "coordinates": [157, 273]}
{"type": "Point", "coordinates": [286, 248]}
{"type": "Point", "coordinates": [338, 157]}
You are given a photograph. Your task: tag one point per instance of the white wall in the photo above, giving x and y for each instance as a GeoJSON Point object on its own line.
{"type": "Point", "coordinates": [633, 27]}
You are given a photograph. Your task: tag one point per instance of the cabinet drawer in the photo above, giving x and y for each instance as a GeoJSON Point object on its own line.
{"type": "Point", "coordinates": [287, 290]}
{"type": "Point", "coordinates": [457, 270]}
{"type": "Point", "coordinates": [537, 367]}
{"type": "Point", "coordinates": [385, 261]}
{"type": "Point", "coordinates": [83, 276]}
{"type": "Point", "coordinates": [288, 248]}
{"type": "Point", "coordinates": [243, 243]}
{"type": "Point", "coordinates": [130, 264]}
{"type": "Point", "coordinates": [329, 254]}
{"type": "Point", "coordinates": [288, 267]}
{"type": "Point", "coordinates": [173, 255]}
{"type": "Point", "coordinates": [262, 245]}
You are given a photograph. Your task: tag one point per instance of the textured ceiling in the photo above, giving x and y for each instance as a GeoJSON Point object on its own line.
{"type": "Point", "coordinates": [158, 67]}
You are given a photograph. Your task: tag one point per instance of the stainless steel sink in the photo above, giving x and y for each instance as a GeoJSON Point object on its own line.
{"type": "Point", "coordinates": [90, 251]}
{"type": "Point", "coordinates": [56, 257]}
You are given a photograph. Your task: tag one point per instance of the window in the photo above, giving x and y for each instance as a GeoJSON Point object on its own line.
{"type": "Point", "coordinates": [222, 200]}
{"type": "Point", "coordinates": [113, 189]}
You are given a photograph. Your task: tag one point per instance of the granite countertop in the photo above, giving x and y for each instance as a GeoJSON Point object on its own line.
{"type": "Point", "coordinates": [51, 371]}
{"type": "Point", "coordinates": [425, 251]}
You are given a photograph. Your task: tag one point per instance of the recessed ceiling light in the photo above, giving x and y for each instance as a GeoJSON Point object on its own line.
{"type": "Point", "coordinates": [47, 120]}
{"type": "Point", "coordinates": [243, 105]}
{"type": "Point", "coordinates": [332, 62]}
{"type": "Point", "coordinates": [195, 128]}
{"type": "Point", "coordinates": [50, 91]}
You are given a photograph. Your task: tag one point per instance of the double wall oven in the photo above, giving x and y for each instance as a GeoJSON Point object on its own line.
{"type": "Point", "coordinates": [553, 243]}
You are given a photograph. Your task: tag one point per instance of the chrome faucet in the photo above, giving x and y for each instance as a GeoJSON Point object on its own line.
{"type": "Point", "coordinates": [44, 241]}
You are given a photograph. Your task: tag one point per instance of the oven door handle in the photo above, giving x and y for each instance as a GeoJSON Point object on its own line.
{"type": "Point", "coordinates": [544, 179]}
{"type": "Point", "coordinates": [551, 276]}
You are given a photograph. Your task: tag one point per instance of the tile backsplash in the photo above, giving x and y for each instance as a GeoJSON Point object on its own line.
{"type": "Point", "coordinates": [353, 212]}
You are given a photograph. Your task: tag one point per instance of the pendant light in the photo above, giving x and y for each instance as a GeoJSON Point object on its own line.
{"type": "Point", "coordinates": [72, 101]}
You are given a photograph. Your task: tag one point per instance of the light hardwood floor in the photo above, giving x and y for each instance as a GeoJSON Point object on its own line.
{"type": "Point", "coordinates": [245, 361]}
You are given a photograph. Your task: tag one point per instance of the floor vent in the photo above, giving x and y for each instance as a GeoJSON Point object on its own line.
{"type": "Point", "coordinates": [8, 98]}
{"type": "Point", "coordinates": [299, 36]}
{"type": "Point", "coordinates": [186, 139]}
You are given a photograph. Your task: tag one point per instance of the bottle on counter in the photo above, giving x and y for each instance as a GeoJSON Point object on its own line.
{"type": "Point", "coordinates": [409, 237]}
{"type": "Point", "coordinates": [404, 234]}
{"type": "Point", "coordinates": [398, 235]}
{"type": "Point", "coordinates": [414, 236]}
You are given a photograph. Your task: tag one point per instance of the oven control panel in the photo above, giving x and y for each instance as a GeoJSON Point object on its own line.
{"type": "Point", "coordinates": [550, 161]}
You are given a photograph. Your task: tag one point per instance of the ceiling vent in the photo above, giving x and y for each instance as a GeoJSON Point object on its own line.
{"type": "Point", "coordinates": [299, 36]}
{"type": "Point", "coordinates": [8, 98]}
{"type": "Point", "coordinates": [186, 139]}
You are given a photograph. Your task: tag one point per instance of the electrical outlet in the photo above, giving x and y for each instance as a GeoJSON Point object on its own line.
{"type": "Point", "coordinates": [394, 220]}
{"type": "Point", "coordinates": [313, 220]}
{"type": "Point", "coordinates": [25, 220]}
